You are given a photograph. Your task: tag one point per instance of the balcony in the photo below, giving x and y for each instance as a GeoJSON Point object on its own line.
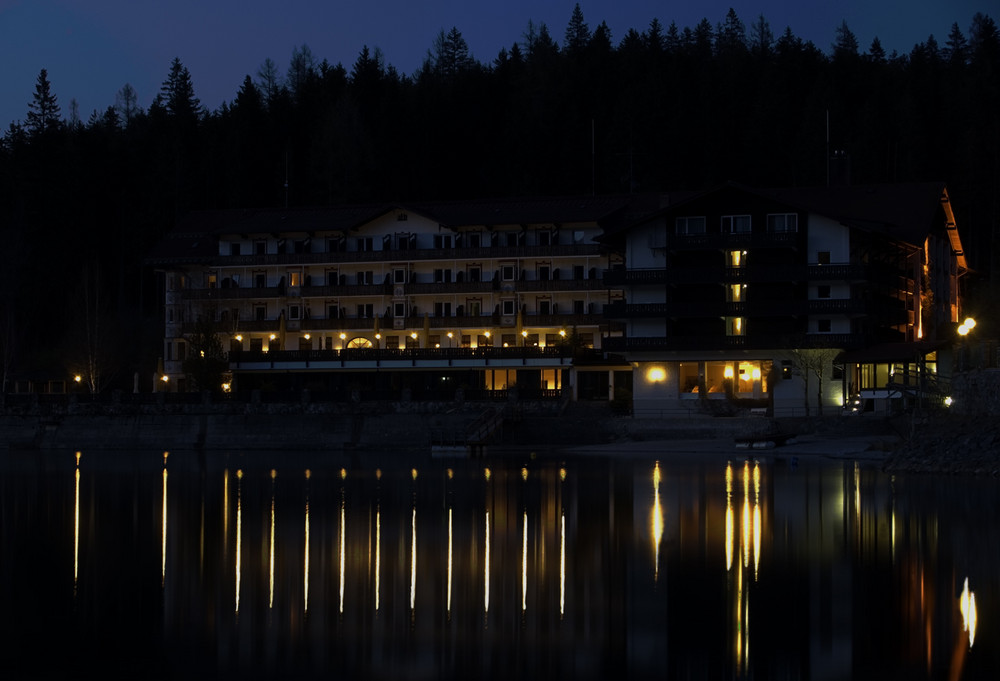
{"type": "Point", "coordinates": [409, 255]}
{"type": "Point", "coordinates": [745, 240]}
{"type": "Point", "coordinates": [746, 342]}
{"type": "Point", "coordinates": [687, 309]}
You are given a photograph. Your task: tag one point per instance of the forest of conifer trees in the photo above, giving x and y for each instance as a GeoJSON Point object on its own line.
{"type": "Point", "coordinates": [83, 201]}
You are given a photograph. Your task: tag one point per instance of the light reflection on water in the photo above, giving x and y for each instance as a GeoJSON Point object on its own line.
{"type": "Point", "coordinates": [530, 568]}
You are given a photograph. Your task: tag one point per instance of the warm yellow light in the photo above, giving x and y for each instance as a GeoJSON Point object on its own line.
{"type": "Point", "coordinates": [655, 375]}
{"type": "Point", "coordinates": [524, 473]}
{"type": "Point", "coordinates": [343, 336]}
{"type": "Point", "coordinates": [970, 323]}
{"type": "Point", "coordinates": [164, 378]}
{"type": "Point", "coordinates": [226, 387]}
{"type": "Point", "coordinates": [272, 336]}
{"type": "Point", "coordinates": [78, 378]}
{"type": "Point", "coordinates": [948, 401]}
{"type": "Point", "coordinates": [755, 373]}
{"type": "Point", "coordinates": [202, 353]}
{"type": "Point", "coordinates": [450, 334]}
{"type": "Point", "coordinates": [239, 337]}
{"type": "Point", "coordinates": [562, 332]}
{"type": "Point", "coordinates": [524, 334]}
{"type": "Point", "coordinates": [487, 473]}
{"type": "Point", "coordinates": [378, 336]}
{"type": "Point", "coordinates": [487, 334]}
{"type": "Point", "coordinates": [307, 336]}
{"type": "Point", "coordinates": [413, 473]}
{"type": "Point", "coordinates": [728, 372]}
{"type": "Point", "coordinates": [963, 330]}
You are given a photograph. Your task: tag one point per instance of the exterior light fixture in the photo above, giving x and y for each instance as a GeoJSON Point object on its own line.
{"type": "Point", "coordinates": [226, 387]}
{"type": "Point", "coordinates": [201, 353]}
{"type": "Point", "coordinates": [343, 336]}
{"type": "Point", "coordinates": [965, 327]}
{"type": "Point", "coordinates": [948, 401]}
{"type": "Point", "coordinates": [562, 332]}
{"type": "Point", "coordinates": [164, 378]}
{"type": "Point", "coordinates": [524, 334]}
{"type": "Point", "coordinates": [239, 337]}
{"type": "Point", "coordinates": [656, 375]}
{"type": "Point", "coordinates": [307, 336]}
{"type": "Point", "coordinates": [78, 378]}
{"type": "Point", "coordinates": [413, 335]}
{"type": "Point", "coordinates": [487, 334]}
{"type": "Point", "coordinates": [272, 336]}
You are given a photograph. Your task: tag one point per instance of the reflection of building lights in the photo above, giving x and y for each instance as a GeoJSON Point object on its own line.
{"type": "Point", "coordinates": [967, 604]}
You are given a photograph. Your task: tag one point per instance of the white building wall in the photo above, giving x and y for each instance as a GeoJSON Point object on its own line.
{"type": "Point", "coordinates": [829, 236]}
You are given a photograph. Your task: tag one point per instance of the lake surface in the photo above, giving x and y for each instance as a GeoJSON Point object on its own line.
{"type": "Point", "coordinates": [290, 565]}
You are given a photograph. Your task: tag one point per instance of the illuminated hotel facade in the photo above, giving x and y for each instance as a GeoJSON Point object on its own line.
{"type": "Point", "coordinates": [386, 298]}
{"type": "Point", "coordinates": [722, 301]}
{"type": "Point", "coordinates": [739, 296]}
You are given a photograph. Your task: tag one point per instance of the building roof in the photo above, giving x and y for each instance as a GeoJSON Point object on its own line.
{"type": "Point", "coordinates": [904, 212]}
{"type": "Point", "coordinates": [195, 236]}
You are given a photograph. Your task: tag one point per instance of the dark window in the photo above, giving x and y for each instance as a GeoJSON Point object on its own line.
{"type": "Point", "coordinates": [822, 291]}
{"type": "Point", "coordinates": [823, 325]}
{"type": "Point", "coordinates": [578, 307]}
{"type": "Point", "coordinates": [823, 257]}
{"type": "Point", "coordinates": [690, 225]}
{"type": "Point", "coordinates": [508, 307]}
{"type": "Point", "coordinates": [234, 249]}
{"type": "Point", "coordinates": [260, 313]}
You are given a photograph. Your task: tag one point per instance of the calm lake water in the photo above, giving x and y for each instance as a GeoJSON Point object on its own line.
{"type": "Point", "coordinates": [305, 565]}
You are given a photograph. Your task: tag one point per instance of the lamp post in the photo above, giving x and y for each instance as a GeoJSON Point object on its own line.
{"type": "Point", "coordinates": [450, 335]}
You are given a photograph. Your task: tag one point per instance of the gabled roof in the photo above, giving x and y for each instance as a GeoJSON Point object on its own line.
{"type": "Point", "coordinates": [195, 237]}
{"type": "Point", "coordinates": [904, 212]}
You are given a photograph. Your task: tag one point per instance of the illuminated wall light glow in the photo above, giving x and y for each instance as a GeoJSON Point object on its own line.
{"type": "Point", "coordinates": [656, 375]}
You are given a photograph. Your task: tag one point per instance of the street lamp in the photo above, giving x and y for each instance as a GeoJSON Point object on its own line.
{"type": "Point", "coordinates": [450, 334]}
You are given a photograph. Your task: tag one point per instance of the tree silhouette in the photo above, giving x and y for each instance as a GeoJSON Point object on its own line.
{"type": "Point", "coordinates": [43, 110]}
{"type": "Point", "coordinates": [177, 93]}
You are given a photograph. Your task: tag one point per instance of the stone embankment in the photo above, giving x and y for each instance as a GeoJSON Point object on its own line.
{"type": "Point", "coordinates": [948, 444]}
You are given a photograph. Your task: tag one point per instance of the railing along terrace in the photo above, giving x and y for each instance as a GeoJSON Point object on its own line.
{"type": "Point", "coordinates": [405, 255]}
{"type": "Point", "coordinates": [237, 357]}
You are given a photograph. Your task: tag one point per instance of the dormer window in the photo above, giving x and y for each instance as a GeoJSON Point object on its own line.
{"type": "Point", "coordinates": [402, 217]}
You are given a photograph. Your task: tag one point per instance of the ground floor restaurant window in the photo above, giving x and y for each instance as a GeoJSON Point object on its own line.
{"type": "Point", "coordinates": [740, 378]}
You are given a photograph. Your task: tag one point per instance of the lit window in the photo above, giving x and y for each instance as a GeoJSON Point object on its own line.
{"type": "Point", "coordinates": [735, 326]}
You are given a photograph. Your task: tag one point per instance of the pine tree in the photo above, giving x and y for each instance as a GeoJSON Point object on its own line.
{"type": "Point", "coordinates": [451, 54]}
{"type": "Point", "coordinates": [846, 44]}
{"type": "Point", "coordinates": [177, 93]}
{"type": "Point", "coordinates": [43, 110]}
{"type": "Point", "coordinates": [761, 38]}
{"type": "Point", "coordinates": [577, 32]}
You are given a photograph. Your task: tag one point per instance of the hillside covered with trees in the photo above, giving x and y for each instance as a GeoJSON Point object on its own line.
{"type": "Point", "coordinates": [660, 108]}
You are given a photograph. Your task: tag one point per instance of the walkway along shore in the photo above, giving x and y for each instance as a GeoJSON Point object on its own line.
{"type": "Point", "coordinates": [944, 443]}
